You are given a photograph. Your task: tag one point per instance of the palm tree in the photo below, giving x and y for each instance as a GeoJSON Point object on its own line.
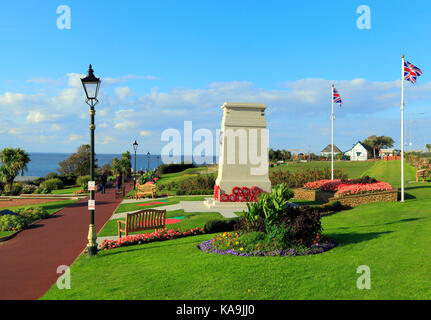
{"type": "Point", "coordinates": [13, 161]}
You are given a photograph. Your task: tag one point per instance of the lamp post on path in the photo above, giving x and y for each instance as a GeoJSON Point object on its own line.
{"type": "Point", "coordinates": [91, 88]}
{"type": "Point", "coordinates": [135, 147]}
{"type": "Point", "coordinates": [148, 158]}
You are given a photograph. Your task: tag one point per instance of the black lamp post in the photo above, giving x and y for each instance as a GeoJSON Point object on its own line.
{"type": "Point", "coordinates": [148, 158]}
{"type": "Point", "coordinates": [91, 87]}
{"type": "Point", "coordinates": [135, 147]}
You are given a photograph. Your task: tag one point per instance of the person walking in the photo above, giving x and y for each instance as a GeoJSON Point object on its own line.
{"type": "Point", "coordinates": [118, 182]}
{"type": "Point", "coordinates": [102, 183]}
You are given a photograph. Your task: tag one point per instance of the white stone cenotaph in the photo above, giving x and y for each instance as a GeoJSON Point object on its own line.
{"type": "Point", "coordinates": [243, 159]}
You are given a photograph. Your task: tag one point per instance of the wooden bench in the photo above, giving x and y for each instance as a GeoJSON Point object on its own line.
{"type": "Point", "coordinates": [142, 220]}
{"type": "Point", "coordinates": [145, 189]}
{"type": "Point", "coordinates": [420, 174]}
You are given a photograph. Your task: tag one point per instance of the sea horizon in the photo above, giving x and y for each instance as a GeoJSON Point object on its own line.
{"type": "Point", "coordinates": [42, 163]}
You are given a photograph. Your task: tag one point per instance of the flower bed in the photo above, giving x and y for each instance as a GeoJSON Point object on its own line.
{"type": "Point", "coordinates": [209, 247]}
{"type": "Point", "coordinates": [345, 189]}
{"type": "Point", "coordinates": [158, 235]}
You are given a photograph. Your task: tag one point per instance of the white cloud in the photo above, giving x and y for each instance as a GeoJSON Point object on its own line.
{"type": "Point", "coordinates": [122, 92]}
{"type": "Point", "coordinates": [145, 133]}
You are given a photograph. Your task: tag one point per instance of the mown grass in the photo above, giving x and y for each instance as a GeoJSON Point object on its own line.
{"type": "Point", "coordinates": [126, 207]}
{"type": "Point", "coordinates": [69, 190]}
{"type": "Point", "coordinates": [392, 239]}
{"type": "Point", "coordinates": [390, 172]}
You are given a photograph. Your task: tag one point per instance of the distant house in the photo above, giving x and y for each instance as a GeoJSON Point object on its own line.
{"type": "Point", "coordinates": [327, 151]}
{"type": "Point", "coordinates": [357, 153]}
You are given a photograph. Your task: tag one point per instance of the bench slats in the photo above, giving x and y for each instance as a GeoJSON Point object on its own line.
{"type": "Point", "coordinates": [143, 220]}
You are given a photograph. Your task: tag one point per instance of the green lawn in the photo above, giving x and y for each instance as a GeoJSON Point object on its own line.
{"type": "Point", "coordinates": [389, 171]}
{"type": "Point", "coordinates": [391, 238]}
{"type": "Point", "coordinates": [69, 190]}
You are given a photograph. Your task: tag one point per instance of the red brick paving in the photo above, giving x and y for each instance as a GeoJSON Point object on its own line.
{"type": "Point", "coordinates": [29, 261]}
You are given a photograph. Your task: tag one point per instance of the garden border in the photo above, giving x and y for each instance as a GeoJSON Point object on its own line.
{"type": "Point", "coordinates": [383, 196]}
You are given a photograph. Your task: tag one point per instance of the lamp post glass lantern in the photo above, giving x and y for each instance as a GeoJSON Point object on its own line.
{"type": "Point", "coordinates": [135, 147]}
{"type": "Point", "coordinates": [91, 88]}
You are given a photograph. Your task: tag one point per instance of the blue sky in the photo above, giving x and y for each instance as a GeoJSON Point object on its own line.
{"type": "Point", "coordinates": [163, 63]}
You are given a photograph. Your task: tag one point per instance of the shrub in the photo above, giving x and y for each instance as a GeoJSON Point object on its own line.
{"type": "Point", "coordinates": [52, 184]}
{"type": "Point", "coordinates": [194, 185]}
{"type": "Point", "coordinates": [51, 175]}
{"type": "Point", "coordinates": [28, 188]}
{"type": "Point", "coordinates": [37, 181]}
{"type": "Point", "coordinates": [281, 235]}
{"type": "Point", "coordinates": [16, 189]}
{"type": "Point", "coordinates": [332, 205]}
{"type": "Point", "coordinates": [33, 214]}
{"type": "Point", "coordinates": [303, 222]}
{"type": "Point", "coordinates": [68, 179]}
{"type": "Point", "coordinates": [174, 167]}
{"type": "Point", "coordinates": [214, 226]}
{"type": "Point", "coordinates": [298, 179]}
{"type": "Point", "coordinates": [83, 181]}
{"type": "Point", "coordinates": [10, 222]}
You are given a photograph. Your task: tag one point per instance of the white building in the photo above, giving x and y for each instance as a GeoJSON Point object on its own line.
{"type": "Point", "coordinates": [357, 153]}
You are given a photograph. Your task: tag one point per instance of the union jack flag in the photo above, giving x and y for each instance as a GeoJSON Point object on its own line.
{"type": "Point", "coordinates": [336, 97]}
{"type": "Point", "coordinates": [411, 72]}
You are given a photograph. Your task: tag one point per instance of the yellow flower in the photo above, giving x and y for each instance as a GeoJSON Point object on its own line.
{"type": "Point", "coordinates": [241, 249]}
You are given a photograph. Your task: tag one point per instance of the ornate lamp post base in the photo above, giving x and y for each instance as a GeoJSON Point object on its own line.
{"type": "Point", "coordinates": [92, 245]}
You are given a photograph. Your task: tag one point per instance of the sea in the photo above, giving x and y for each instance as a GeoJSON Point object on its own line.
{"type": "Point", "coordinates": [43, 163]}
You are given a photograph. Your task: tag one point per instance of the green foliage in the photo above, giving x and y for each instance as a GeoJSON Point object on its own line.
{"type": "Point", "coordinates": [174, 167]}
{"type": "Point", "coordinates": [333, 205]}
{"type": "Point", "coordinates": [10, 222]}
{"type": "Point", "coordinates": [299, 178]}
{"type": "Point", "coordinates": [33, 214]}
{"type": "Point", "coordinates": [28, 189]}
{"type": "Point", "coordinates": [270, 206]}
{"type": "Point", "coordinates": [83, 181]}
{"type": "Point", "coordinates": [16, 189]}
{"type": "Point", "coordinates": [51, 175]}
{"type": "Point", "coordinates": [374, 143]}
{"type": "Point", "coordinates": [214, 226]}
{"type": "Point", "coordinates": [13, 162]}
{"type": "Point", "coordinates": [68, 179]}
{"type": "Point", "coordinates": [147, 176]}
{"type": "Point", "coordinates": [280, 234]}
{"type": "Point", "coordinates": [78, 163]}
{"type": "Point", "coordinates": [201, 184]}
{"type": "Point", "coordinates": [52, 184]}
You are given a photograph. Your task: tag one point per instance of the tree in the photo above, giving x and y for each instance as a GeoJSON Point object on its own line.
{"type": "Point", "coordinates": [116, 166]}
{"type": "Point", "coordinates": [126, 164]}
{"type": "Point", "coordinates": [375, 143]}
{"type": "Point", "coordinates": [428, 146]}
{"type": "Point", "coordinates": [78, 163]}
{"type": "Point", "coordinates": [13, 161]}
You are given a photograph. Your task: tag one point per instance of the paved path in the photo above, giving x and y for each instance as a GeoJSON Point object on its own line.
{"type": "Point", "coordinates": [29, 261]}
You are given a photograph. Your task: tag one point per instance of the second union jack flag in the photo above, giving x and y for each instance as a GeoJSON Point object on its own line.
{"type": "Point", "coordinates": [411, 72]}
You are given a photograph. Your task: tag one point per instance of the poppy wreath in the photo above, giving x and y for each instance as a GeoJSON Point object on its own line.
{"type": "Point", "coordinates": [224, 197]}
{"type": "Point", "coordinates": [233, 197]}
{"type": "Point", "coordinates": [236, 190]}
{"type": "Point", "coordinates": [216, 191]}
{"type": "Point", "coordinates": [245, 192]}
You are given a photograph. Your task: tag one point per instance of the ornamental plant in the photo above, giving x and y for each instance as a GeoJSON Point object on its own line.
{"type": "Point", "coordinates": [344, 190]}
{"type": "Point", "coordinates": [158, 235]}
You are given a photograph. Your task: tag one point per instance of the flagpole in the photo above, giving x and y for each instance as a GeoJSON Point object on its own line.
{"type": "Point", "coordinates": [402, 128]}
{"type": "Point", "coordinates": [332, 134]}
